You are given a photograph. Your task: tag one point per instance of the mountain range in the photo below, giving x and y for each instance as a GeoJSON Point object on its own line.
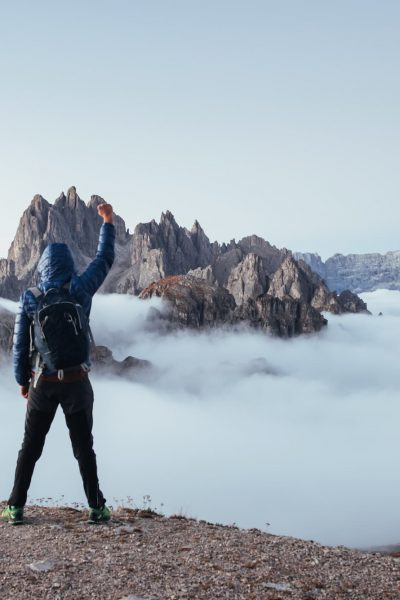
{"type": "Point", "coordinates": [356, 272]}
{"type": "Point", "coordinates": [204, 283]}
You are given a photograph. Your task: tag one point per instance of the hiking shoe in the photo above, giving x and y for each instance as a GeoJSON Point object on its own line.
{"type": "Point", "coordinates": [13, 514]}
{"type": "Point", "coordinates": [99, 515]}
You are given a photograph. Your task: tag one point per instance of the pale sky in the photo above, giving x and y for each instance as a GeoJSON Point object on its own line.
{"type": "Point", "coordinates": [275, 118]}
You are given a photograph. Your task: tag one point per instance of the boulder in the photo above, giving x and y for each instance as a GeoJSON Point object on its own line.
{"type": "Point", "coordinates": [104, 363]}
{"type": "Point", "coordinates": [350, 302]}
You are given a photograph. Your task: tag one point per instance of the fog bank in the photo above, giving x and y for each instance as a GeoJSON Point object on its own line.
{"type": "Point", "coordinates": [242, 428]}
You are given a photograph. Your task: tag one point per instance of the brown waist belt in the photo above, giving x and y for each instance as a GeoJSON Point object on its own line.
{"type": "Point", "coordinates": [64, 376]}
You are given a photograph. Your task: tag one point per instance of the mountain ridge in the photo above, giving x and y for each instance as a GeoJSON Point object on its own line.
{"type": "Point", "coordinates": [357, 272]}
{"type": "Point", "coordinates": [259, 282]}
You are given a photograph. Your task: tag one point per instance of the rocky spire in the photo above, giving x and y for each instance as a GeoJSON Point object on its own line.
{"type": "Point", "coordinates": [69, 221]}
{"type": "Point", "coordinates": [165, 249]}
{"type": "Point", "coordinates": [72, 197]}
{"type": "Point", "coordinates": [248, 279]}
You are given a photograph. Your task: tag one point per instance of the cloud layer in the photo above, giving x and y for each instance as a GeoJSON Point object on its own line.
{"type": "Point", "coordinates": [242, 428]}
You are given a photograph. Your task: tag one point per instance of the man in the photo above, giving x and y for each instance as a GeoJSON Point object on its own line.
{"type": "Point", "coordinates": [45, 387]}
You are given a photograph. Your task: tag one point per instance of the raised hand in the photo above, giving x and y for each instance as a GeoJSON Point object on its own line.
{"type": "Point", "coordinates": [106, 211]}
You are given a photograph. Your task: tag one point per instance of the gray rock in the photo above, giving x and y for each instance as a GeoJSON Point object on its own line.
{"type": "Point", "coordinates": [68, 220]}
{"type": "Point", "coordinates": [314, 261]}
{"type": "Point", "coordinates": [289, 280]}
{"type": "Point", "coordinates": [271, 256]}
{"type": "Point", "coordinates": [7, 319]}
{"type": "Point", "coordinates": [236, 272]}
{"type": "Point", "coordinates": [42, 566]}
{"type": "Point", "coordinates": [357, 272]}
{"type": "Point", "coordinates": [192, 302]}
{"type": "Point", "coordinates": [166, 249]}
{"type": "Point", "coordinates": [248, 279]}
{"type": "Point", "coordinates": [9, 284]}
{"type": "Point", "coordinates": [205, 273]}
{"type": "Point", "coordinates": [350, 302]}
{"type": "Point", "coordinates": [195, 303]}
{"type": "Point", "coordinates": [279, 587]}
{"type": "Point", "coordinates": [104, 362]}
{"type": "Point", "coordinates": [228, 258]}
{"type": "Point", "coordinates": [294, 279]}
{"type": "Point", "coordinates": [283, 317]}
{"type": "Point", "coordinates": [135, 597]}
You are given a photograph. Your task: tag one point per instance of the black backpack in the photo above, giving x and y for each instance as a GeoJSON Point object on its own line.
{"type": "Point", "coordinates": [60, 333]}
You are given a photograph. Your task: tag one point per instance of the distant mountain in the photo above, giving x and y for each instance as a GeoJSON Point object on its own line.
{"type": "Point", "coordinates": [249, 280]}
{"type": "Point", "coordinates": [356, 272]}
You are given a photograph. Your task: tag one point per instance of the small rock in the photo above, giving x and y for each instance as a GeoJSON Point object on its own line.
{"type": "Point", "coordinates": [42, 566]}
{"type": "Point", "coordinates": [134, 597]}
{"type": "Point", "coordinates": [280, 587]}
{"type": "Point", "coordinates": [125, 529]}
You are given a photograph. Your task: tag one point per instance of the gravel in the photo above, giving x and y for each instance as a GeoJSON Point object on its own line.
{"type": "Point", "coordinates": [140, 555]}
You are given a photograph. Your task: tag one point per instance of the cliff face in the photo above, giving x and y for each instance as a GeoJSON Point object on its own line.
{"type": "Point", "coordinates": [166, 248]}
{"type": "Point", "coordinates": [7, 319]}
{"type": "Point", "coordinates": [248, 279]}
{"type": "Point", "coordinates": [194, 302]}
{"type": "Point", "coordinates": [9, 284]}
{"type": "Point", "coordinates": [357, 272]}
{"type": "Point", "coordinates": [296, 280]}
{"type": "Point", "coordinates": [68, 220]}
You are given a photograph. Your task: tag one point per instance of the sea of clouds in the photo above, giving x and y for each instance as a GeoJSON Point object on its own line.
{"type": "Point", "coordinates": [296, 437]}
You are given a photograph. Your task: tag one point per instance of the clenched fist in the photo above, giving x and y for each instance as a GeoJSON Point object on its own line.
{"type": "Point", "coordinates": [106, 211]}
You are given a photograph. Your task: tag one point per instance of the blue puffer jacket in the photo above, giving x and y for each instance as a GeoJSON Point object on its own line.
{"type": "Point", "coordinates": [56, 267]}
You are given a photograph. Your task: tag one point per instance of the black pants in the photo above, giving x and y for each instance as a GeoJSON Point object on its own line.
{"type": "Point", "coordinates": [76, 400]}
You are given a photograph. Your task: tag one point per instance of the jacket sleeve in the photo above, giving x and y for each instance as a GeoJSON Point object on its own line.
{"type": "Point", "coordinates": [96, 272]}
{"type": "Point", "coordinates": [21, 345]}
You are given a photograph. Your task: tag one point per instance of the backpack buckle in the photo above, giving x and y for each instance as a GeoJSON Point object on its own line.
{"type": "Point", "coordinates": [60, 374]}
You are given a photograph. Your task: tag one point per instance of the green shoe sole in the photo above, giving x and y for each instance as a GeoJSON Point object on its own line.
{"type": "Point", "coordinates": [12, 516]}
{"type": "Point", "coordinates": [98, 516]}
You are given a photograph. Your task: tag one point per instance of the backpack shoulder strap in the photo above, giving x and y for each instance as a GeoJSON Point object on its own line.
{"type": "Point", "coordinates": [35, 291]}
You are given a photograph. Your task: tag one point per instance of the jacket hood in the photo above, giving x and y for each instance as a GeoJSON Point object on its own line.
{"type": "Point", "coordinates": [56, 264]}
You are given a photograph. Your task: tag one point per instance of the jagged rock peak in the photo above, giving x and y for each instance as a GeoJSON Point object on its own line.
{"type": "Point", "coordinates": [290, 280]}
{"type": "Point", "coordinates": [72, 195]}
{"type": "Point", "coordinates": [167, 217]}
{"type": "Point", "coordinates": [196, 227]}
{"type": "Point", "coordinates": [39, 202]}
{"type": "Point", "coordinates": [94, 201]}
{"type": "Point", "coordinates": [60, 200]}
{"type": "Point", "coordinates": [248, 279]}
{"type": "Point", "coordinates": [201, 242]}
{"type": "Point", "coordinates": [71, 200]}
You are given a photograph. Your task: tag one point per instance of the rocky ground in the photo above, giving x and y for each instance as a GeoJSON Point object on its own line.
{"type": "Point", "coordinates": [141, 555]}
